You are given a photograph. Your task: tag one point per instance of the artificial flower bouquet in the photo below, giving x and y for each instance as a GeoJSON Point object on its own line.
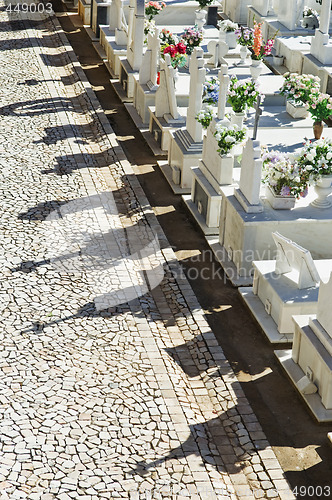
{"type": "Point", "coordinates": [298, 88]}
{"type": "Point", "coordinates": [259, 47]}
{"type": "Point", "coordinates": [204, 3]}
{"type": "Point", "coordinates": [308, 11]}
{"type": "Point", "coordinates": [315, 159]}
{"type": "Point", "coordinates": [149, 27]}
{"type": "Point", "coordinates": [192, 38]}
{"type": "Point", "coordinates": [244, 36]}
{"type": "Point", "coordinates": [242, 94]}
{"type": "Point", "coordinates": [167, 37]}
{"type": "Point", "coordinates": [227, 25]}
{"type": "Point", "coordinates": [228, 137]}
{"type": "Point", "coordinates": [211, 91]}
{"type": "Point", "coordinates": [205, 116]}
{"type": "Point", "coordinates": [153, 8]}
{"type": "Point", "coordinates": [283, 175]}
{"type": "Point", "coordinates": [177, 53]}
{"type": "Point", "coordinates": [319, 106]}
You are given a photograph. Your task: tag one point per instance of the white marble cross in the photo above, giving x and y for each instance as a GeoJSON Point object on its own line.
{"type": "Point", "coordinates": [136, 37]}
{"type": "Point", "coordinates": [165, 102]}
{"type": "Point", "coordinates": [197, 79]}
{"type": "Point", "coordinates": [250, 178]}
{"type": "Point", "coordinates": [120, 27]}
{"type": "Point", "coordinates": [148, 69]}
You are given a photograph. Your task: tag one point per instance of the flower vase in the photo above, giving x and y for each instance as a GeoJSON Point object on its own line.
{"type": "Point", "coordinates": [310, 22]}
{"type": "Point", "coordinates": [323, 187]}
{"type": "Point", "coordinates": [230, 39]}
{"type": "Point", "coordinates": [200, 18]}
{"type": "Point", "coordinates": [318, 129]}
{"type": "Point", "coordinates": [279, 202]}
{"type": "Point", "coordinates": [256, 68]}
{"type": "Point", "coordinates": [243, 54]}
{"type": "Point", "coordinates": [237, 119]}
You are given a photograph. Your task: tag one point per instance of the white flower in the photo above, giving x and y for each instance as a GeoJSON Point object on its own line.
{"type": "Point", "coordinates": [329, 155]}
{"type": "Point", "coordinates": [229, 139]}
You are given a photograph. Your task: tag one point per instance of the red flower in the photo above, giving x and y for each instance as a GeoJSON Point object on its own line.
{"type": "Point", "coordinates": [170, 50]}
{"type": "Point", "coordinates": [181, 48]}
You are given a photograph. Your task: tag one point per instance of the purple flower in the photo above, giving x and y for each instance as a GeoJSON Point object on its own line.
{"type": "Point", "coordinates": [285, 191]}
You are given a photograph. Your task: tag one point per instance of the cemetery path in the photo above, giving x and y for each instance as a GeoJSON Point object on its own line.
{"type": "Point", "coordinates": [112, 382]}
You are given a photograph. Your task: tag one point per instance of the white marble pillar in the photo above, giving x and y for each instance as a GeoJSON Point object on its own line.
{"type": "Point", "coordinates": [197, 79]}
{"type": "Point", "coordinates": [321, 47]}
{"type": "Point", "coordinates": [325, 14]}
{"type": "Point", "coordinates": [135, 51]}
{"type": "Point", "coordinates": [223, 89]}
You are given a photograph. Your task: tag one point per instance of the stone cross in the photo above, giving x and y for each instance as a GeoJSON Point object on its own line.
{"type": "Point", "coordinates": [250, 178]}
{"type": "Point", "coordinates": [197, 79]}
{"type": "Point", "coordinates": [113, 15]}
{"type": "Point", "coordinates": [165, 101]}
{"type": "Point", "coordinates": [324, 309]}
{"type": "Point", "coordinates": [121, 35]}
{"type": "Point", "coordinates": [136, 40]}
{"type": "Point", "coordinates": [148, 69]}
{"type": "Point", "coordinates": [257, 117]}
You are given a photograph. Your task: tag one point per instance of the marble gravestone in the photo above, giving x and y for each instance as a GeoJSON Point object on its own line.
{"type": "Point", "coordinates": [99, 15]}
{"type": "Point", "coordinates": [250, 179]}
{"type": "Point", "coordinates": [135, 49]}
{"type": "Point", "coordinates": [84, 11]}
{"type": "Point", "coordinates": [218, 50]}
{"type": "Point", "coordinates": [321, 46]}
{"type": "Point", "coordinates": [213, 170]}
{"type": "Point", "coordinates": [114, 38]}
{"type": "Point", "coordinates": [290, 13]}
{"type": "Point", "coordinates": [146, 80]}
{"type": "Point", "coordinates": [237, 10]}
{"type": "Point", "coordinates": [285, 287]}
{"type": "Point", "coordinates": [186, 143]}
{"type": "Point", "coordinates": [164, 116]}
{"type": "Point", "coordinates": [309, 363]}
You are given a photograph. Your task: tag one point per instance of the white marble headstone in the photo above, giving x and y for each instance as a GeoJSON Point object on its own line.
{"type": "Point", "coordinates": [120, 26]}
{"type": "Point", "coordinates": [293, 257]}
{"type": "Point", "coordinates": [261, 6]}
{"type": "Point", "coordinates": [250, 178]}
{"type": "Point", "coordinates": [136, 37]}
{"type": "Point", "coordinates": [324, 308]}
{"type": "Point", "coordinates": [165, 102]}
{"type": "Point", "coordinates": [148, 69]}
{"type": "Point", "coordinates": [288, 13]}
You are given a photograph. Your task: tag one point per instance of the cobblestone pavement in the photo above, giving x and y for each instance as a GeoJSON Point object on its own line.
{"type": "Point", "coordinates": [135, 400]}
